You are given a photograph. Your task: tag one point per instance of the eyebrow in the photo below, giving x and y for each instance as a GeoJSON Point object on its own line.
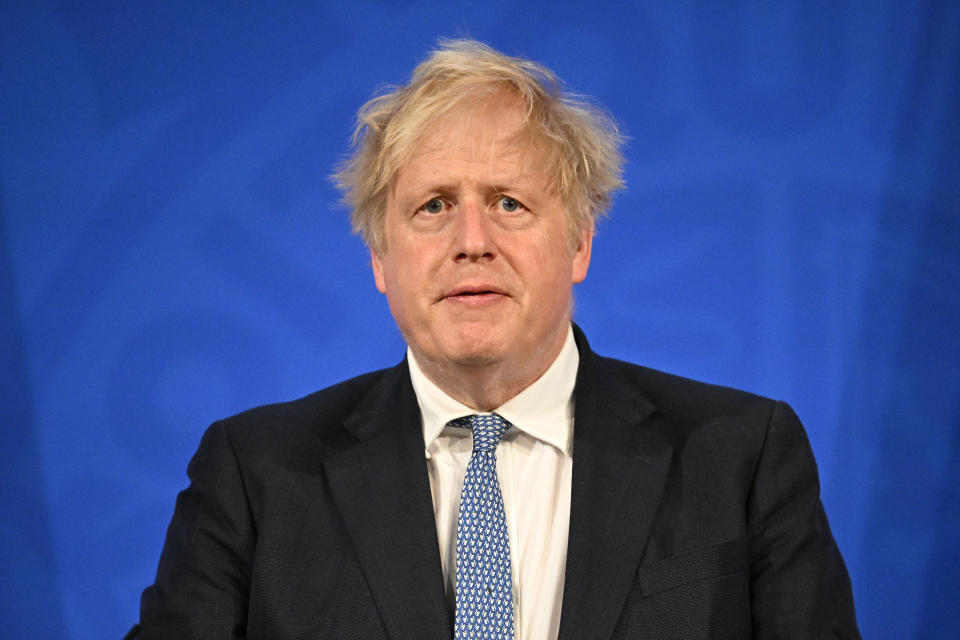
{"type": "Point", "coordinates": [452, 187]}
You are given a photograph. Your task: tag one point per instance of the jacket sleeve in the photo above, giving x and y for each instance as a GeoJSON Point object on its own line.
{"type": "Point", "coordinates": [798, 582]}
{"type": "Point", "coordinates": [203, 578]}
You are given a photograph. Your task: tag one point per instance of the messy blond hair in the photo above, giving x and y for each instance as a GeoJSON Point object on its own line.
{"type": "Point", "coordinates": [581, 140]}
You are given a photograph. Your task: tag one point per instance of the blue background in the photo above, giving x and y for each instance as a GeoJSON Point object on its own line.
{"type": "Point", "coordinates": [171, 252]}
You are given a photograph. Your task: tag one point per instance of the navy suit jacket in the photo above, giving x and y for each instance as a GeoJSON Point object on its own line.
{"type": "Point", "coordinates": [695, 513]}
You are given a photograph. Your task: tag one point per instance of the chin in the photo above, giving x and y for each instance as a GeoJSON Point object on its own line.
{"type": "Point", "coordinates": [473, 355]}
{"type": "Point", "coordinates": [466, 345]}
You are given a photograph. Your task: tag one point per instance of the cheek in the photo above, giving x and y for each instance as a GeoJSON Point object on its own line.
{"type": "Point", "coordinates": [404, 282]}
{"type": "Point", "coordinates": [556, 270]}
{"type": "Point", "coordinates": [396, 293]}
{"type": "Point", "coordinates": [552, 287]}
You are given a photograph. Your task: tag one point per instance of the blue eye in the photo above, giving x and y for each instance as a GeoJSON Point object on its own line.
{"type": "Point", "coordinates": [435, 205]}
{"type": "Point", "coordinates": [509, 204]}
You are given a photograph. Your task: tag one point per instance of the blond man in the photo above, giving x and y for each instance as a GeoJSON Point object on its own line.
{"type": "Point", "coordinates": [503, 481]}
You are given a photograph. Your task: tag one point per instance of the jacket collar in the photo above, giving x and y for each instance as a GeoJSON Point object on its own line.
{"type": "Point", "coordinates": [620, 462]}
{"type": "Point", "coordinates": [379, 482]}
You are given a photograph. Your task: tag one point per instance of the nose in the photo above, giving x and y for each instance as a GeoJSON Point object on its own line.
{"type": "Point", "coordinates": [473, 233]}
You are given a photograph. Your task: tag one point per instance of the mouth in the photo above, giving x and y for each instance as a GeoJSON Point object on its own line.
{"type": "Point", "coordinates": [475, 294]}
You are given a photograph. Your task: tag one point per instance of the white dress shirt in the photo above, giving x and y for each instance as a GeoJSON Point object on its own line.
{"type": "Point", "coordinates": [534, 467]}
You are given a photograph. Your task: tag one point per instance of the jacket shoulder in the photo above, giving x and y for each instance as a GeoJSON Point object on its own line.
{"type": "Point", "coordinates": [320, 414]}
{"type": "Point", "coordinates": [669, 387]}
{"type": "Point", "coordinates": [688, 403]}
{"type": "Point", "coordinates": [682, 400]}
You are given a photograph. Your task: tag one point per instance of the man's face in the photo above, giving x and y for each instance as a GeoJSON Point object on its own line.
{"type": "Point", "coordinates": [478, 266]}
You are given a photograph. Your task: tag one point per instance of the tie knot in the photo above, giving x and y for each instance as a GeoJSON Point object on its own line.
{"type": "Point", "coordinates": [487, 429]}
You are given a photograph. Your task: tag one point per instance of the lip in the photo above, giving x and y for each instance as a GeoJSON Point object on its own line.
{"type": "Point", "coordinates": [473, 290]}
{"type": "Point", "coordinates": [475, 294]}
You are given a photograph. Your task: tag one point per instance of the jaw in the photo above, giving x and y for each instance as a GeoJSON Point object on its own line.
{"type": "Point", "coordinates": [473, 332]}
{"type": "Point", "coordinates": [484, 361]}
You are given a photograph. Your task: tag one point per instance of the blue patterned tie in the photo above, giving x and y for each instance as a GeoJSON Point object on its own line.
{"type": "Point", "coordinates": [484, 579]}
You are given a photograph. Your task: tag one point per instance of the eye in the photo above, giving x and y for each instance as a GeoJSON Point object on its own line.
{"type": "Point", "coordinates": [433, 205]}
{"type": "Point", "coordinates": [509, 204]}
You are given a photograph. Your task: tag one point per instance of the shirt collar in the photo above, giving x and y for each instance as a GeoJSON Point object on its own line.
{"type": "Point", "coordinates": [544, 410]}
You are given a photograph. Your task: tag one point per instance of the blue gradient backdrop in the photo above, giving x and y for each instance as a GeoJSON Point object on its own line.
{"type": "Point", "coordinates": [170, 253]}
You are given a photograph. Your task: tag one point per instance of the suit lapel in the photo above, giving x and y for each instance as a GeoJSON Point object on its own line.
{"type": "Point", "coordinates": [381, 487]}
{"type": "Point", "coordinates": [620, 462]}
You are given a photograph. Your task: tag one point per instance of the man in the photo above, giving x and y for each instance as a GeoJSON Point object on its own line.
{"type": "Point", "coordinates": [503, 481]}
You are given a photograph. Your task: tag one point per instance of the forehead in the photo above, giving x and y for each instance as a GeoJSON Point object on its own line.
{"type": "Point", "coordinates": [491, 134]}
{"type": "Point", "coordinates": [495, 119]}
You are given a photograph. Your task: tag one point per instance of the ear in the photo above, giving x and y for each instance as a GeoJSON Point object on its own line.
{"type": "Point", "coordinates": [377, 267]}
{"type": "Point", "coordinates": [581, 255]}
